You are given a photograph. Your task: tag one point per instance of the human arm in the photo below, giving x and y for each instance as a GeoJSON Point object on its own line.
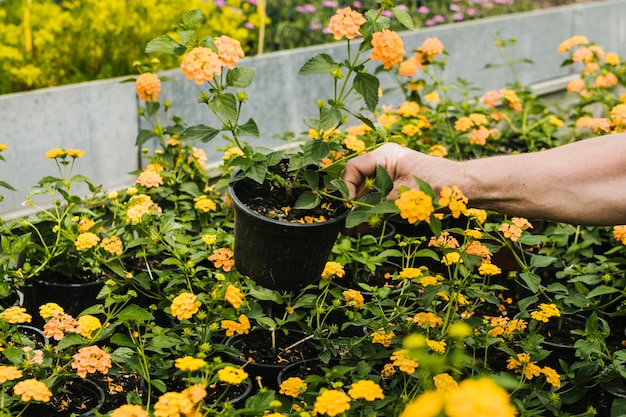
{"type": "Point", "coordinates": [581, 183]}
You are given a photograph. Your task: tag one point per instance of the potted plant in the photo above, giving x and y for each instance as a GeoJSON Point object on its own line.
{"type": "Point", "coordinates": [284, 245]}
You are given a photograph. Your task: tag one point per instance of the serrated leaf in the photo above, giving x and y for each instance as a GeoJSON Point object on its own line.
{"type": "Point", "coordinates": [143, 136]}
{"type": "Point", "coordinates": [311, 178]}
{"type": "Point", "coordinates": [541, 261]}
{"type": "Point", "coordinates": [165, 44]}
{"type": "Point", "coordinates": [315, 150]}
{"type": "Point", "coordinates": [601, 290]}
{"type": "Point", "coordinates": [329, 119]}
{"type": "Point", "coordinates": [240, 77]}
{"type": "Point", "coordinates": [356, 217]}
{"type": "Point", "coordinates": [135, 313]}
{"type": "Point", "coordinates": [307, 200]}
{"type": "Point", "coordinates": [321, 63]}
{"type": "Point", "coordinates": [225, 105]}
{"type": "Point", "coordinates": [532, 281]}
{"type": "Point", "coordinates": [192, 18]}
{"type": "Point", "coordinates": [383, 182]}
{"type": "Point", "coordinates": [367, 85]}
{"type": "Point", "coordinates": [249, 128]}
{"type": "Point", "coordinates": [341, 186]}
{"type": "Point", "coordinates": [202, 133]}
{"type": "Point", "coordinates": [257, 172]}
{"type": "Point", "coordinates": [403, 17]}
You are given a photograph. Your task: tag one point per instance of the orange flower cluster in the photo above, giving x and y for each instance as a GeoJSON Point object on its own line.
{"type": "Point", "coordinates": [346, 23]}
{"type": "Point", "coordinates": [354, 298]}
{"type": "Point", "coordinates": [514, 230]}
{"type": "Point", "coordinates": [387, 48]}
{"type": "Point", "coordinates": [454, 199]}
{"type": "Point", "coordinates": [59, 325]}
{"type": "Point", "coordinates": [91, 359]}
{"type": "Point", "coordinates": [177, 404]}
{"type": "Point", "coordinates": [130, 410]}
{"type": "Point", "coordinates": [199, 156]}
{"type": "Point", "coordinates": [149, 179]}
{"type": "Point", "coordinates": [9, 373]}
{"type": "Point", "coordinates": [619, 233]}
{"type": "Point", "coordinates": [430, 48]}
{"type": "Point", "coordinates": [568, 44]}
{"type": "Point", "coordinates": [599, 125]}
{"type": "Point", "coordinates": [148, 87]}
{"type": "Point", "coordinates": [333, 269]}
{"type": "Point", "coordinates": [354, 144]}
{"type": "Point", "coordinates": [222, 258]}
{"type": "Point", "coordinates": [201, 64]}
{"type": "Point", "coordinates": [427, 319]}
{"type": "Point", "coordinates": [401, 360]}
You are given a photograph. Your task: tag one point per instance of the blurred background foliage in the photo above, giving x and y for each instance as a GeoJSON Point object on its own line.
{"type": "Point", "coordinates": [45, 43]}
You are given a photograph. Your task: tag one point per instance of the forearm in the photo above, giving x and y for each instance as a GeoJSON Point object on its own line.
{"type": "Point", "coordinates": [581, 183]}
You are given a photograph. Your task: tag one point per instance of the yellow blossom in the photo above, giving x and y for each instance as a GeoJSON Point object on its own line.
{"type": "Point", "coordinates": [293, 387]}
{"type": "Point", "coordinates": [189, 363]}
{"type": "Point", "coordinates": [367, 390]}
{"type": "Point", "coordinates": [16, 315]}
{"type": "Point", "coordinates": [47, 310]}
{"type": "Point", "coordinates": [233, 295]}
{"type": "Point", "coordinates": [545, 312]}
{"type": "Point", "coordinates": [382, 337]}
{"type": "Point", "coordinates": [232, 375]}
{"type": "Point", "coordinates": [415, 205]}
{"type": "Point", "coordinates": [354, 298]}
{"type": "Point", "coordinates": [410, 273]}
{"type": "Point", "coordinates": [479, 397]}
{"type": "Point", "coordinates": [452, 198]}
{"type": "Point", "coordinates": [129, 410]}
{"type": "Point", "coordinates": [331, 403]}
{"type": "Point", "coordinates": [402, 361]}
{"type": "Point", "coordinates": [209, 239]}
{"type": "Point", "coordinates": [333, 269]}
{"type": "Point", "coordinates": [31, 389]}
{"type": "Point", "coordinates": [185, 305]}
{"type": "Point", "coordinates": [87, 324]}
{"type": "Point", "coordinates": [444, 382]}
{"type": "Point", "coordinates": [9, 373]}
{"type": "Point", "coordinates": [86, 241]}
{"type": "Point", "coordinates": [437, 346]}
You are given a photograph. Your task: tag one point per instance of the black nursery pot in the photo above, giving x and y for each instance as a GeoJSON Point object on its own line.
{"type": "Point", "coordinates": [277, 254]}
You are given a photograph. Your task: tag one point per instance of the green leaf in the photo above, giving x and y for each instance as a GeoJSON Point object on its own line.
{"type": "Point", "coordinates": [257, 172]}
{"type": "Point", "coordinates": [164, 342]}
{"type": "Point", "coordinates": [249, 128]}
{"type": "Point", "coordinates": [541, 261]}
{"type": "Point", "coordinates": [70, 340]}
{"type": "Point", "coordinates": [266, 322]}
{"type": "Point", "coordinates": [202, 133]}
{"type": "Point", "coordinates": [356, 217]}
{"type": "Point", "coordinates": [192, 18]}
{"type": "Point", "coordinates": [265, 294]}
{"type": "Point", "coordinates": [601, 290]}
{"type": "Point", "coordinates": [340, 185]}
{"type": "Point", "coordinates": [240, 77]}
{"type": "Point", "coordinates": [321, 63]}
{"type": "Point", "coordinates": [532, 281]}
{"type": "Point", "coordinates": [383, 182]}
{"type": "Point", "coordinates": [311, 178]}
{"type": "Point", "coordinates": [225, 105]}
{"type": "Point", "coordinates": [329, 119]}
{"type": "Point", "coordinates": [367, 85]}
{"type": "Point", "coordinates": [315, 150]}
{"type": "Point", "coordinates": [144, 136]}
{"type": "Point", "coordinates": [307, 200]}
{"type": "Point", "coordinates": [135, 313]}
{"type": "Point", "coordinates": [403, 17]}
{"type": "Point", "coordinates": [165, 44]}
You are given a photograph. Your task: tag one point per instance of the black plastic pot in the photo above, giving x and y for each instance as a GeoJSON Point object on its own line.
{"type": "Point", "coordinates": [277, 254]}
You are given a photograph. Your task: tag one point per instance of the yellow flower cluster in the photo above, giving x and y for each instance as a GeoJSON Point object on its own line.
{"type": "Point", "coordinates": [454, 199]}
{"type": "Point", "coordinates": [523, 365]}
{"type": "Point", "coordinates": [9, 373]}
{"type": "Point", "coordinates": [545, 312]}
{"type": "Point", "coordinates": [367, 390]}
{"type": "Point", "coordinates": [87, 324]}
{"type": "Point", "coordinates": [63, 153]}
{"type": "Point", "coordinates": [234, 296]}
{"type": "Point", "coordinates": [401, 360]}
{"type": "Point", "coordinates": [331, 402]}
{"type": "Point", "coordinates": [472, 397]}
{"type": "Point", "coordinates": [293, 387]}
{"type": "Point", "coordinates": [427, 319]}
{"type": "Point", "coordinates": [619, 233]}
{"type": "Point", "coordinates": [113, 245]}
{"type": "Point", "coordinates": [240, 327]}
{"type": "Point", "coordinates": [354, 298]}
{"type": "Point", "coordinates": [204, 203]}
{"type": "Point", "coordinates": [415, 205]}
{"type": "Point", "coordinates": [16, 315]}
{"type": "Point", "coordinates": [86, 241]}
{"type": "Point", "coordinates": [231, 375]}
{"type": "Point", "coordinates": [176, 404]}
{"type": "Point", "coordinates": [410, 273]}
{"type": "Point", "coordinates": [138, 206]}
{"type": "Point", "coordinates": [382, 337]}
{"type": "Point", "coordinates": [31, 389]}
{"type": "Point", "coordinates": [505, 326]}
{"type": "Point", "coordinates": [333, 269]}
{"type": "Point", "coordinates": [189, 363]}
{"type": "Point", "coordinates": [185, 305]}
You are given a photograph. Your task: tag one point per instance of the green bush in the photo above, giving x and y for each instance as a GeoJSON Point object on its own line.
{"type": "Point", "coordinates": [45, 43]}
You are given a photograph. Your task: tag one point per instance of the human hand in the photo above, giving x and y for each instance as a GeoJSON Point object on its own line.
{"type": "Point", "coordinates": [401, 164]}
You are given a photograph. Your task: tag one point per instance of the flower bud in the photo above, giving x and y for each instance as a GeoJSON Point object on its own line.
{"type": "Point", "coordinates": [242, 96]}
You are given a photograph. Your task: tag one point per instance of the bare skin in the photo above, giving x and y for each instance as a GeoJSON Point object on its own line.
{"type": "Point", "coordinates": [580, 183]}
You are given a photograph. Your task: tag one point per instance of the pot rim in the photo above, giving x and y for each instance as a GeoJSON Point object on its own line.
{"type": "Point", "coordinates": [241, 205]}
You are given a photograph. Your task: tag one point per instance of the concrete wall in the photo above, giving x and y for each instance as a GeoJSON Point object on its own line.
{"type": "Point", "coordinates": [101, 117]}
